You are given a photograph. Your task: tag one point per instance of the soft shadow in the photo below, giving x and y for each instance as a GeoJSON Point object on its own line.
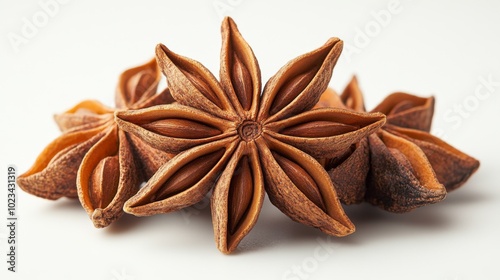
{"type": "Point", "coordinates": [367, 215]}
{"type": "Point", "coordinates": [197, 213]}
{"type": "Point", "coordinates": [125, 223]}
{"type": "Point", "coordinates": [65, 204]}
{"type": "Point", "coordinates": [374, 224]}
{"type": "Point", "coordinates": [428, 216]}
{"type": "Point", "coordinates": [467, 196]}
{"type": "Point", "coordinates": [274, 229]}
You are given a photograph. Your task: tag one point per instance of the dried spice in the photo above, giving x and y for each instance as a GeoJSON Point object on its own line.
{"type": "Point", "coordinates": [242, 144]}
{"type": "Point", "coordinates": [305, 146]}
{"type": "Point", "coordinates": [93, 158]}
{"type": "Point", "coordinates": [402, 166]}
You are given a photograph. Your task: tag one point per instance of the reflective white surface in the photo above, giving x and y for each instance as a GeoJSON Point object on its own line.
{"type": "Point", "coordinates": [76, 50]}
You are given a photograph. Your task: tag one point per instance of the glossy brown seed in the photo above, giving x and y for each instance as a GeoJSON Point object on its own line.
{"type": "Point", "coordinates": [191, 84]}
{"type": "Point", "coordinates": [304, 182]}
{"type": "Point", "coordinates": [242, 83]}
{"type": "Point", "coordinates": [103, 182]}
{"type": "Point", "coordinates": [240, 193]}
{"type": "Point", "coordinates": [318, 64]}
{"type": "Point", "coordinates": [181, 128]}
{"type": "Point", "coordinates": [202, 87]}
{"type": "Point", "coordinates": [318, 129]}
{"type": "Point", "coordinates": [291, 89]}
{"type": "Point", "coordinates": [188, 175]}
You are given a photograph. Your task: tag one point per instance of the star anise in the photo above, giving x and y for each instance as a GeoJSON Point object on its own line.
{"type": "Point", "coordinates": [402, 166]}
{"type": "Point", "coordinates": [93, 158]}
{"type": "Point", "coordinates": [231, 138]}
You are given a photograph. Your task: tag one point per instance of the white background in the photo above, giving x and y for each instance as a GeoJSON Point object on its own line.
{"type": "Point", "coordinates": [443, 49]}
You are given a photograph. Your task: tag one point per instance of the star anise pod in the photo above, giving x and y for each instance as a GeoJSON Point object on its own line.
{"type": "Point", "coordinates": [231, 138]}
{"type": "Point", "coordinates": [402, 166]}
{"type": "Point", "coordinates": [93, 158]}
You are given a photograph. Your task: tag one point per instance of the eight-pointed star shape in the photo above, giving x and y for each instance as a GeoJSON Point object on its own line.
{"type": "Point", "coordinates": [231, 138]}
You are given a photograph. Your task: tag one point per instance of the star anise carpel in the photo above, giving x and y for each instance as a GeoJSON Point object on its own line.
{"type": "Point", "coordinates": [94, 159]}
{"type": "Point", "coordinates": [240, 143]}
{"type": "Point", "coordinates": [237, 140]}
{"type": "Point", "coordinates": [402, 166]}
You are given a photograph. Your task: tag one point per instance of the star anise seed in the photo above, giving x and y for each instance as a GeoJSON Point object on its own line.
{"type": "Point", "coordinates": [245, 143]}
{"type": "Point", "coordinates": [93, 158]}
